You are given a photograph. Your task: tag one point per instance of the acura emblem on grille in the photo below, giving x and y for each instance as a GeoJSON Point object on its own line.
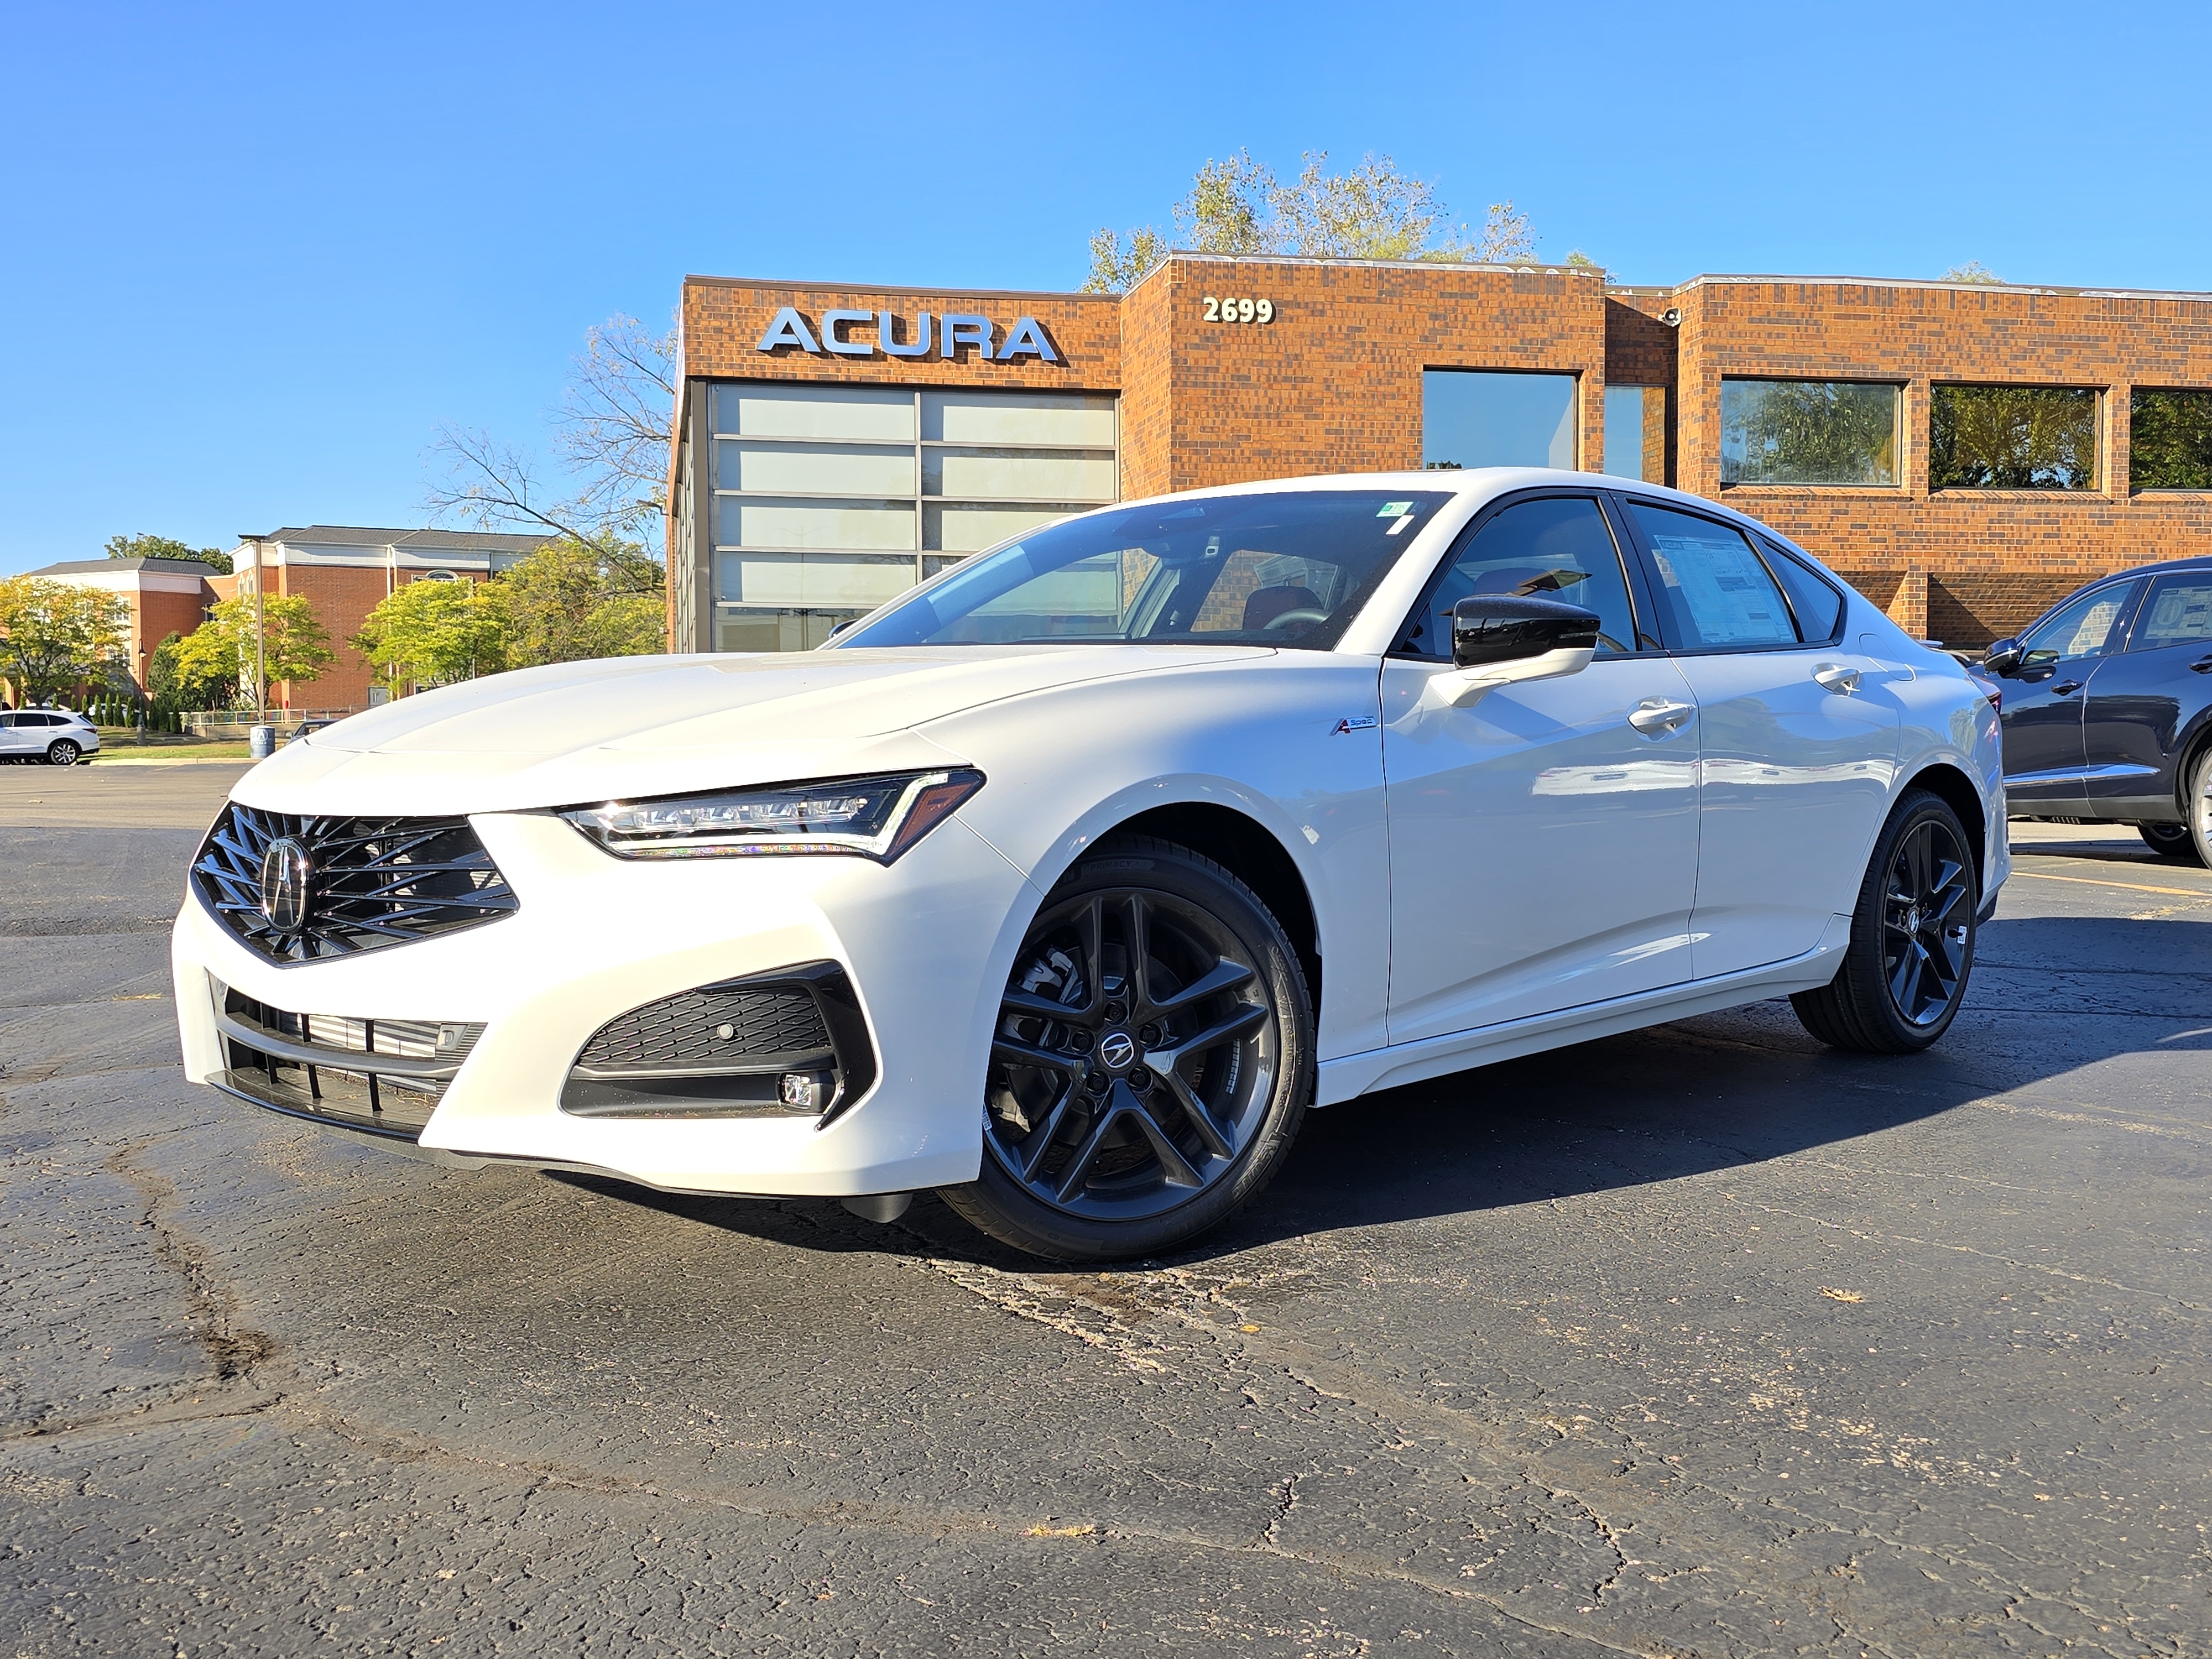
{"type": "Point", "coordinates": [284, 871]}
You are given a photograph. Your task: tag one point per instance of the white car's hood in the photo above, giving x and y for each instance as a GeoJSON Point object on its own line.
{"type": "Point", "coordinates": [629, 727]}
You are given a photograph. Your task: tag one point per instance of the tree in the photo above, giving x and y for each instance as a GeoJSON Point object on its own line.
{"type": "Point", "coordinates": [574, 599]}
{"type": "Point", "coordinates": [614, 424]}
{"type": "Point", "coordinates": [612, 432]}
{"type": "Point", "coordinates": [435, 634]}
{"type": "Point", "coordinates": [54, 637]}
{"type": "Point", "coordinates": [295, 646]}
{"type": "Point", "coordinates": [165, 547]}
{"type": "Point", "coordinates": [1374, 211]}
{"type": "Point", "coordinates": [176, 681]}
{"type": "Point", "coordinates": [1972, 271]}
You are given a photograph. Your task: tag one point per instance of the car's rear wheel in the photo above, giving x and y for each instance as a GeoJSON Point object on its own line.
{"type": "Point", "coordinates": [1913, 937]}
{"type": "Point", "coordinates": [1150, 1061]}
{"type": "Point", "coordinates": [61, 753]}
{"type": "Point", "coordinates": [2177, 841]}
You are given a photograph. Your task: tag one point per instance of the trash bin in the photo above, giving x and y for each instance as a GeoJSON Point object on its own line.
{"type": "Point", "coordinates": [261, 742]}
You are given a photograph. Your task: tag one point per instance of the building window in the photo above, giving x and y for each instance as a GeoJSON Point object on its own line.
{"type": "Point", "coordinates": [2170, 440]}
{"type": "Point", "coordinates": [437, 576]}
{"type": "Point", "coordinates": [1808, 432]}
{"type": "Point", "coordinates": [1636, 432]}
{"type": "Point", "coordinates": [830, 499]}
{"type": "Point", "coordinates": [2012, 437]}
{"type": "Point", "coordinates": [1476, 417]}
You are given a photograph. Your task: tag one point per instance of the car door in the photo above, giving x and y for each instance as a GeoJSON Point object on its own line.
{"type": "Point", "coordinates": [1798, 742]}
{"type": "Point", "coordinates": [2045, 754]}
{"type": "Point", "coordinates": [2143, 700]}
{"type": "Point", "coordinates": [1543, 841]}
{"type": "Point", "coordinates": [11, 740]}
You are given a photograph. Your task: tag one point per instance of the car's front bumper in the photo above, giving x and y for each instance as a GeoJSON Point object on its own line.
{"type": "Point", "coordinates": [926, 942]}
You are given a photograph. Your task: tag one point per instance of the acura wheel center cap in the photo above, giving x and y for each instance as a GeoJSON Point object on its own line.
{"type": "Point", "coordinates": [1117, 1051]}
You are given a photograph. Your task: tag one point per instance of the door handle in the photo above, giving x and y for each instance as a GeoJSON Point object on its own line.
{"type": "Point", "coordinates": [1654, 717]}
{"type": "Point", "coordinates": [1837, 677]}
{"type": "Point", "coordinates": [2201, 665]}
{"type": "Point", "coordinates": [2065, 688]}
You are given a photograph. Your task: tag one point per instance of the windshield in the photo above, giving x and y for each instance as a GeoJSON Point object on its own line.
{"type": "Point", "coordinates": [1290, 569]}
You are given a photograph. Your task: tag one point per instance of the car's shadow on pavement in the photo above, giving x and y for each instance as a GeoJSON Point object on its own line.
{"type": "Point", "coordinates": [1716, 1092]}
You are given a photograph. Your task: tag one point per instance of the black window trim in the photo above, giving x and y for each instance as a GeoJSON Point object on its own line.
{"type": "Point", "coordinates": [1753, 533]}
{"type": "Point", "coordinates": [1639, 598]}
{"type": "Point", "coordinates": [2151, 579]}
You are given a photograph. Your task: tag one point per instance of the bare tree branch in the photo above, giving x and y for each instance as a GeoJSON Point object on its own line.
{"type": "Point", "coordinates": [493, 483]}
{"type": "Point", "coordinates": [613, 423]}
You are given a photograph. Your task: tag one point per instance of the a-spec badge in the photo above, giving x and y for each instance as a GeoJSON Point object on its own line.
{"type": "Point", "coordinates": [1354, 723]}
{"type": "Point", "coordinates": [285, 871]}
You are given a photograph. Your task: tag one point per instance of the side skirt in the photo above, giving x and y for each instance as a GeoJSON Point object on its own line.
{"type": "Point", "coordinates": [1349, 1076]}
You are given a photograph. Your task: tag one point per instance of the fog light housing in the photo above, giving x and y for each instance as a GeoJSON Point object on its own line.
{"type": "Point", "coordinates": [808, 1091]}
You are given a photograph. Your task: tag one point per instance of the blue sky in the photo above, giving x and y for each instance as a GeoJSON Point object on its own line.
{"type": "Point", "coordinates": [254, 256]}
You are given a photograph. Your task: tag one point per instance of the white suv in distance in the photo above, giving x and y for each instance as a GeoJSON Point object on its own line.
{"type": "Point", "coordinates": [1065, 883]}
{"type": "Point", "coordinates": [53, 735]}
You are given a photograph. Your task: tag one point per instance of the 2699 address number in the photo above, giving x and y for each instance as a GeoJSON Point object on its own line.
{"type": "Point", "coordinates": [1237, 311]}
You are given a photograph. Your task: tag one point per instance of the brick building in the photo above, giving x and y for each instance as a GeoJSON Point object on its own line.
{"type": "Point", "coordinates": [164, 596]}
{"type": "Point", "coordinates": [344, 571]}
{"type": "Point", "coordinates": [1965, 453]}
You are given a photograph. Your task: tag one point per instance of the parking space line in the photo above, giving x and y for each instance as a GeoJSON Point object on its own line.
{"type": "Point", "coordinates": [2132, 886]}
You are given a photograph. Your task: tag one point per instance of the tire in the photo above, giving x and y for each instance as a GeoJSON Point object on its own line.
{"type": "Point", "coordinates": [61, 753]}
{"type": "Point", "coordinates": [1904, 973]}
{"type": "Point", "coordinates": [2177, 841]}
{"type": "Point", "coordinates": [1124, 1115]}
{"type": "Point", "coordinates": [2196, 803]}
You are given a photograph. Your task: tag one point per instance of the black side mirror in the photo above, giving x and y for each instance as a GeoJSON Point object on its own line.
{"type": "Point", "coordinates": [2002, 657]}
{"type": "Point", "coordinates": [1489, 628]}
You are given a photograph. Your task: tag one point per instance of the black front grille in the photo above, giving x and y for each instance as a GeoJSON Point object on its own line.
{"type": "Point", "coordinates": [372, 882]}
{"type": "Point", "coordinates": [723, 1050]}
{"type": "Point", "coordinates": [383, 1075]}
{"type": "Point", "coordinates": [716, 1028]}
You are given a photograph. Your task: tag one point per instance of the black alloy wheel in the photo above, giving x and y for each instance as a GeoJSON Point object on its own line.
{"type": "Point", "coordinates": [1913, 937]}
{"type": "Point", "coordinates": [61, 753]}
{"type": "Point", "coordinates": [1149, 1061]}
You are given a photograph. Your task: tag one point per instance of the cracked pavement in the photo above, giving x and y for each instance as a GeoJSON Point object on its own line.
{"type": "Point", "coordinates": [1703, 1340]}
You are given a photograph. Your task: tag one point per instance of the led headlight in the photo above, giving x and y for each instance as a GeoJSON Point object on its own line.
{"type": "Point", "coordinates": [875, 817]}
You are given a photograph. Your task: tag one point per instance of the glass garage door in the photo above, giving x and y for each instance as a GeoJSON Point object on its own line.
{"type": "Point", "coordinates": [830, 499]}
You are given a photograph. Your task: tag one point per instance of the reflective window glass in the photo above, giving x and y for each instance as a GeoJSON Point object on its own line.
{"type": "Point", "coordinates": [1807, 432]}
{"type": "Point", "coordinates": [1713, 586]}
{"type": "Point", "coordinates": [1636, 432]}
{"type": "Point", "coordinates": [2081, 628]}
{"type": "Point", "coordinates": [1288, 569]}
{"type": "Point", "coordinates": [1475, 417]}
{"type": "Point", "coordinates": [2176, 611]}
{"type": "Point", "coordinates": [1818, 605]}
{"type": "Point", "coordinates": [2169, 440]}
{"type": "Point", "coordinates": [2012, 437]}
{"type": "Point", "coordinates": [1554, 548]}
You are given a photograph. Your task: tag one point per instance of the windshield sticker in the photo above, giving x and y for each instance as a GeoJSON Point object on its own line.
{"type": "Point", "coordinates": [1393, 509]}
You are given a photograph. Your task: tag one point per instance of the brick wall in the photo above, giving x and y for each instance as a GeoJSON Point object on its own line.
{"type": "Point", "coordinates": [1334, 383]}
{"type": "Point", "coordinates": [1991, 559]}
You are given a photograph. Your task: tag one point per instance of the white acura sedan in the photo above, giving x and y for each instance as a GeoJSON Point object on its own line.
{"type": "Point", "coordinates": [1065, 883]}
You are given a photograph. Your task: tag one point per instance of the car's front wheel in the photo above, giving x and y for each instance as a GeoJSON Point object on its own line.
{"type": "Point", "coordinates": [2177, 841]}
{"type": "Point", "coordinates": [61, 753]}
{"type": "Point", "coordinates": [1913, 937]}
{"type": "Point", "coordinates": [1150, 1059]}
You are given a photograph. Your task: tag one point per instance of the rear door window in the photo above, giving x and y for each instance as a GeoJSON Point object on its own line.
{"type": "Point", "coordinates": [2178, 611]}
{"type": "Point", "coordinates": [1713, 588]}
{"type": "Point", "coordinates": [1820, 608]}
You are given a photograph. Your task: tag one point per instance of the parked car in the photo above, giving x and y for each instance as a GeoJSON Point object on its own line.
{"type": "Point", "coordinates": [2108, 708]}
{"type": "Point", "coordinates": [305, 730]}
{"type": "Point", "coordinates": [55, 736]}
{"type": "Point", "coordinates": [1064, 884]}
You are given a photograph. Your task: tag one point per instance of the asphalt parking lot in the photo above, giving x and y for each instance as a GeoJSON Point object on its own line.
{"type": "Point", "coordinates": [1702, 1340]}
